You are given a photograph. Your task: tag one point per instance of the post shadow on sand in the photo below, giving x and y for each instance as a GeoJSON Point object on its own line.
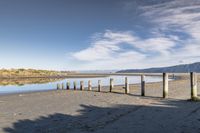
{"type": "Point", "coordinates": [169, 116]}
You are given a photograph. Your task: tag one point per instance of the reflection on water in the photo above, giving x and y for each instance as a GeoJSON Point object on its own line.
{"type": "Point", "coordinates": [26, 81]}
{"type": "Point", "coordinates": [42, 84]}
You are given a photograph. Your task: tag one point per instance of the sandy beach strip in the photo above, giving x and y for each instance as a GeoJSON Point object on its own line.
{"type": "Point", "coordinates": [91, 111]}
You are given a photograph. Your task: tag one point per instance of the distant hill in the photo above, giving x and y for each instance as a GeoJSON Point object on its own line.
{"type": "Point", "coordinates": [195, 67]}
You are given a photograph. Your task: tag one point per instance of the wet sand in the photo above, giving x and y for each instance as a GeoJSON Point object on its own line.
{"type": "Point", "coordinates": [69, 111]}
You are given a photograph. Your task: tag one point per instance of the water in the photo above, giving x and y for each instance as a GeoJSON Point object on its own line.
{"type": "Point", "coordinates": [118, 80]}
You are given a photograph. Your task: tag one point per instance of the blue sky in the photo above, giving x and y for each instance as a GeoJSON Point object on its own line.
{"type": "Point", "coordinates": [98, 34]}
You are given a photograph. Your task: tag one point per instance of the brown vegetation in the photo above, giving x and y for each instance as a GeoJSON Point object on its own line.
{"type": "Point", "coordinates": [15, 73]}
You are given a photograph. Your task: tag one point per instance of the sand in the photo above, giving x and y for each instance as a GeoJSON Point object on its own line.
{"type": "Point", "coordinates": [69, 111]}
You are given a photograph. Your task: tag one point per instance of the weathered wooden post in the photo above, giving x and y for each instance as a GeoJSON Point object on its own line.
{"type": "Point", "coordinates": [81, 85]}
{"type": "Point", "coordinates": [111, 84]}
{"type": "Point", "coordinates": [89, 85]}
{"type": "Point", "coordinates": [142, 85]}
{"type": "Point", "coordinates": [68, 85]}
{"type": "Point", "coordinates": [126, 85]}
{"type": "Point", "coordinates": [74, 85]}
{"type": "Point", "coordinates": [193, 80]}
{"type": "Point", "coordinates": [62, 86]}
{"type": "Point", "coordinates": [58, 86]}
{"type": "Point", "coordinates": [99, 85]}
{"type": "Point", "coordinates": [165, 85]}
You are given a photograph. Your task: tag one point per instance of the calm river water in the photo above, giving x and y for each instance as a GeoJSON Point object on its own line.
{"type": "Point", "coordinates": [118, 80]}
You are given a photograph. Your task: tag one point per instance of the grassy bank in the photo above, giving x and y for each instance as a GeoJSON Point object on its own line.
{"type": "Point", "coordinates": [16, 73]}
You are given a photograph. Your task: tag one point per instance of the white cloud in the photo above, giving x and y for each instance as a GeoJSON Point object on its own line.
{"type": "Point", "coordinates": [104, 46]}
{"type": "Point", "coordinates": [107, 50]}
{"type": "Point", "coordinates": [177, 15]}
{"type": "Point", "coordinates": [159, 44]}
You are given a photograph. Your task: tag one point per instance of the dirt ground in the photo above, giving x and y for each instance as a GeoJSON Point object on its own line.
{"type": "Point", "coordinates": [69, 111]}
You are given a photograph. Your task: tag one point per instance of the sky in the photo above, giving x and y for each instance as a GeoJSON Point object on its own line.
{"type": "Point", "coordinates": [98, 34]}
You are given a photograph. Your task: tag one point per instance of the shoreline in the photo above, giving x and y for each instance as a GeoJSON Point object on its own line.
{"type": "Point", "coordinates": [177, 77]}
{"type": "Point", "coordinates": [94, 87]}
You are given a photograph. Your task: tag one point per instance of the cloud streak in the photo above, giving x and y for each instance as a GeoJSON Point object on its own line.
{"type": "Point", "coordinates": [174, 37]}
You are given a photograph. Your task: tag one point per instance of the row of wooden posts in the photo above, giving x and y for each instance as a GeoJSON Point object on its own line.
{"type": "Point", "coordinates": [193, 79]}
{"type": "Point", "coordinates": [61, 86]}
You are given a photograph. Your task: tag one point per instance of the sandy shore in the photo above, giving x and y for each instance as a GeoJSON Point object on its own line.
{"type": "Point", "coordinates": [71, 111]}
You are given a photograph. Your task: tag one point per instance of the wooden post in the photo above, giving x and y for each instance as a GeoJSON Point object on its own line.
{"type": "Point", "coordinates": [62, 86]}
{"type": "Point", "coordinates": [74, 85]}
{"type": "Point", "coordinates": [165, 85]}
{"type": "Point", "coordinates": [111, 84]}
{"type": "Point", "coordinates": [58, 86]}
{"type": "Point", "coordinates": [126, 85]}
{"type": "Point", "coordinates": [193, 80]}
{"type": "Point", "coordinates": [81, 85]}
{"type": "Point", "coordinates": [99, 85]}
{"type": "Point", "coordinates": [89, 85]}
{"type": "Point", "coordinates": [68, 85]}
{"type": "Point", "coordinates": [142, 85]}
